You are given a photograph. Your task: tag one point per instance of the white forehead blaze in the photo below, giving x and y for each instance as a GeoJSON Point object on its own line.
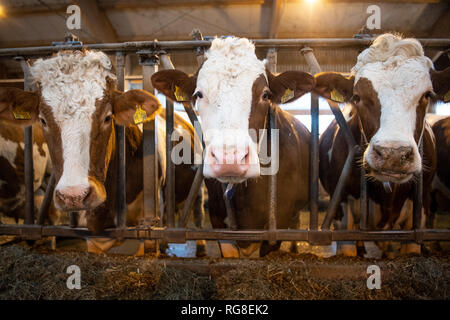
{"type": "Point", "coordinates": [399, 73]}
{"type": "Point", "coordinates": [225, 80]}
{"type": "Point", "coordinates": [71, 83]}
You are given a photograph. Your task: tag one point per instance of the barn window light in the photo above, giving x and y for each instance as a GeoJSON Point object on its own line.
{"type": "Point", "coordinates": [2, 11]}
{"type": "Point", "coordinates": [311, 1]}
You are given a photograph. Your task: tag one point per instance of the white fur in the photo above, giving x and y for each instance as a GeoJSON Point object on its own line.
{"type": "Point", "coordinates": [399, 73]}
{"type": "Point", "coordinates": [225, 80]}
{"type": "Point", "coordinates": [71, 83]}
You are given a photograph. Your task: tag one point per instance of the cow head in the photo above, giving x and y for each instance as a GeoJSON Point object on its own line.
{"type": "Point", "coordinates": [390, 87]}
{"type": "Point", "coordinates": [77, 105]}
{"type": "Point", "coordinates": [232, 91]}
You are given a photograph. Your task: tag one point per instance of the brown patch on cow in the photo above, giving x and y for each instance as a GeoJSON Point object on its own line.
{"type": "Point", "coordinates": [12, 99]}
{"type": "Point", "coordinates": [52, 134]}
{"type": "Point", "coordinates": [260, 106]}
{"type": "Point", "coordinates": [368, 107]}
{"type": "Point", "coordinates": [421, 110]}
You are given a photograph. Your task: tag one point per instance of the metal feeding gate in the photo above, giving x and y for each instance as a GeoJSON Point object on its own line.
{"type": "Point", "coordinates": [151, 54]}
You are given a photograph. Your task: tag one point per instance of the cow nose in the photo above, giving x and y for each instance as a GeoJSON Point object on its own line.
{"type": "Point", "coordinates": [392, 156]}
{"type": "Point", "coordinates": [73, 197]}
{"type": "Point", "coordinates": [229, 163]}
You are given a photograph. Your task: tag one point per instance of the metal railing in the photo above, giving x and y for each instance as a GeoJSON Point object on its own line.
{"type": "Point", "coordinates": [154, 53]}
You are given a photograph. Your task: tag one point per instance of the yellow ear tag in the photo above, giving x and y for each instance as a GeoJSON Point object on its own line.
{"type": "Point", "coordinates": [140, 115]}
{"type": "Point", "coordinates": [447, 97]}
{"type": "Point", "coordinates": [336, 96]}
{"type": "Point", "coordinates": [21, 114]}
{"type": "Point", "coordinates": [287, 95]}
{"type": "Point", "coordinates": [179, 95]}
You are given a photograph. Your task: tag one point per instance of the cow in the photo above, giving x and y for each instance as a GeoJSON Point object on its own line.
{"type": "Point", "coordinates": [389, 91]}
{"type": "Point", "coordinates": [77, 105]}
{"type": "Point", "coordinates": [440, 193]}
{"type": "Point", "coordinates": [12, 180]}
{"type": "Point", "coordinates": [233, 91]}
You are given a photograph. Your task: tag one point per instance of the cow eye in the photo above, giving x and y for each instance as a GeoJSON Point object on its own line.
{"type": "Point", "coordinates": [198, 94]}
{"type": "Point", "coordinates": [429, 95]}
{"type": "Point", "coordinates": [266, 95]}
{"type": "Point", "coordinates": [44, 123]}
{"type": "Point", "coordinates": [108, 118]}
{"type": "Point", "coordinates": [355, 99]}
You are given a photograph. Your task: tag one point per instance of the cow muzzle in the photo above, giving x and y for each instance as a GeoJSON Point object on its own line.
{"type": "Point", "coordinates": [80, 197]}
{"type": "Point", "coordinates": [392, 161]}
{"type": "Point", "coordinates": [232, 165]}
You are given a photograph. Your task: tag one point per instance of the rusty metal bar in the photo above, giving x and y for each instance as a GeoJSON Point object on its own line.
{"type": "Point", "coordinates": [273, 178]}
{"type": "Point", "coordinates": [191, 44]}
{"type": "Point", "coordinates": [170, 168]}
{"type": "Point", "coordinates": [121, 203]}
{"type": "Point", "coordinates": [45, 206]}
{"type": "Point", "coordinates": [38, 231]}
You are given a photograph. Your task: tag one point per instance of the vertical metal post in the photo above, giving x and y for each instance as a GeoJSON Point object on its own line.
{"type": "Point", "coordinates": [273, 180]}
{"type": "Point", "coordinates": [418, 194]}
{"type": "Point", "coordinates": [28, 150]}
{"type": "Point", "coordinates": [170, 168]}
{"type": "Point", "coordinates": [363, 221]}
{"type": "Point", "coordinates": [314, 165]}
{"type": "Point", "coordinates": [314, 67]}
{"type": "Point", "coordinates": [120, 147]}
{"type": "Point", "coordinates": [149, 64]}
{"type": "Point", "coordinates": [45, 206]}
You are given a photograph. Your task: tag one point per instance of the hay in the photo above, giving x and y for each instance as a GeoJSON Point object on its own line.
{"type": "Point", "coordinates": [38, 273]}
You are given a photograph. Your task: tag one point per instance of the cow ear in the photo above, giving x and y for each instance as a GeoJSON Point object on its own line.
{"type": "Point", "coordinates": [175, 84]}
{"type": "Point", "coordinates": [289, 86]}
{"type": "Point", "coordinates": [441, 84]}
{"type": "Point", "coordinates": [18, 106]}
{"type": "Point", "coordinates": [135, 106]}
{"type": "Point", "coordinates": [334, 86]}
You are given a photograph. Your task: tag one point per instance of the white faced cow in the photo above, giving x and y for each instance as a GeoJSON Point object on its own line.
{"type": "Point", "coordinates": [389, 91]}
{"type": "Point", "coordinates": [233, 91]}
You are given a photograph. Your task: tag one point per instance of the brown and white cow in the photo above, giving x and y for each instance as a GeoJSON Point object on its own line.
{"type": "Point", "coordinates": [233, 91]}
{"type": "Point", "coordinates": [77, 105]}
{"type": "Point", "coordinates": [12, 181]}
{"type": "Point", "coordinates": [389, 92]}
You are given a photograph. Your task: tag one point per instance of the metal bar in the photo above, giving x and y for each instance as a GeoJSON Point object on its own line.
{"type": "Point", "coordinates": [170, 168]}
{"type": "Point", "coordinates": [314, 67]}
{"type": "Point", "coordinates": [348, 135]}
{"type": "Point", "coordinates": [73, 219]}
{"type": "Point", "coordinates": [192, 44]}
{"type": "Point", "coordinates": [226, 234]}
{"type": "Point", "coordinates": [150, 161]}
{"type": "Point", "coordinates": [45, 206]}
{"type": "Point", "coordinates": [418, 194]}
{"type": "Point", "coordinates": [273, 178]}
{"type": "Point", "coordinates": [121, 147]}
{"type": "Point", "coordinates": [28, 149]}
{"type": "Point", "coordinates": [337, 195]}
{"type": "Point", "coordinates": [314, 164]}
{"type": "Point", "coordinates": [363, 225]}
{"type": "Point", "coordinates": [193, 192]}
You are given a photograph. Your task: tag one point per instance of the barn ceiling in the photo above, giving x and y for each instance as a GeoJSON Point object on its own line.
{"type": "Point", "coordinates": [39, 22]}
